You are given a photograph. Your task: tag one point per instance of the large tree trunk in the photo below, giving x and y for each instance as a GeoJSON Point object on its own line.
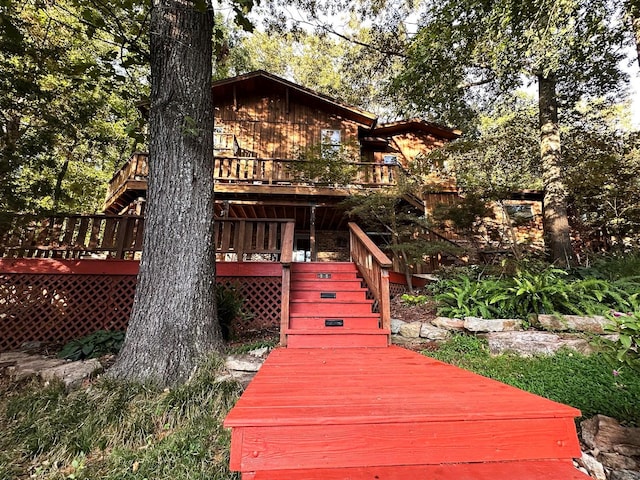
{"type": "Point", "coordinates": [556, 223]}
{"type": "Point", "coordinates": [173, 323]}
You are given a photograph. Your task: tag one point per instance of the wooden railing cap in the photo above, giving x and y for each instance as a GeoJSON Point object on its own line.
{"type": "Point", "coordinates": [378, 255]}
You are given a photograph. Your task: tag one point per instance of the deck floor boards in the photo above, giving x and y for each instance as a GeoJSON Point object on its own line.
{"type": "Point", "coordinates": [389, 413]}
{"type": "Point", "coordinates": [347, 385]}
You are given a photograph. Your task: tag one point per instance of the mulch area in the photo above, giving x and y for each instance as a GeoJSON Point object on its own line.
{"type": "Point", "coordinates": [412, 313]}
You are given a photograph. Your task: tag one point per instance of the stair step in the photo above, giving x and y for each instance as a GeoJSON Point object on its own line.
{"type": "Point", "coordinates": [371, 322]}
{"type": "Point", "coordinates": [524, 470]}
{"type": "Point", "coordinates": [323, 267]}
{"type": "Point", "coordinates": [327, 296]}
{"type": "Point", "coordinates": [335, 338]}
{"type": "Point", "coordinates": [402, 443]}
{"type": "Point", "coordinates": [336, 285]}
{"type": "Point", "coordinates": [318, 276]}
{"type": "Point", "coordinates": [330, 308]}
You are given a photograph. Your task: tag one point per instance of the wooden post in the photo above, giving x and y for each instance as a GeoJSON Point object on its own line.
{"type": "Point", "coordinates": [123, 230]}
{"type": "Point", "coordinates": [239, 246]}
{"type": "Point", "coordinates": [312, 234]}
{"type": "Point", "coordinates": [286, 257]}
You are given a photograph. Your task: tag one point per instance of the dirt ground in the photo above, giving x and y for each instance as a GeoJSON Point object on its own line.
{"type": "Point", "coordinates": [412, 313]}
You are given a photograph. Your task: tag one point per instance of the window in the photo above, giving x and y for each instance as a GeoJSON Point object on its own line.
{"type": "Point", "coordinates": [224, 140]}
{"type": "Point", "coordinates": [329, 142]}
{"type": "Point", "coordinates": [390, 160]}
{"type": "Point", "coordinates": [520, 211]}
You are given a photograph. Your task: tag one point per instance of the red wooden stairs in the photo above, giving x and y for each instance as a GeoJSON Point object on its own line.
{"type": "Point", "coordinates": [339, 404]}
{"type": "Point", "coordinates": [329, 308]}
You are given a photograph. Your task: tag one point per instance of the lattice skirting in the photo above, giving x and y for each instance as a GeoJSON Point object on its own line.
{"type": "Point", "coordinates": [396, 289]}
{"type": "Point", "coordinates": [55, 308]}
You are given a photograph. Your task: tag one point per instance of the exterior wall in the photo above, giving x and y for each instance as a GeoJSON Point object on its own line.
{"type": "Point", "coordinates": [265, 129]}
{"type": "Point", "coordinates": [332, 246]}
{"type": "Point", "coordinates": [528, 231]}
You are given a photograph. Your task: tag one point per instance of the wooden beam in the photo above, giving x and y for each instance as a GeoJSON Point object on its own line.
{"type": "Point", "coordinates": [312, 234]}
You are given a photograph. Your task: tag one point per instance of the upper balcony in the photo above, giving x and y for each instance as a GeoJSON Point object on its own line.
{"type": "Point", "coordinates": [248, 175]}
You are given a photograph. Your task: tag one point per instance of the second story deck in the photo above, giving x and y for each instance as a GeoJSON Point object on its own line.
{"type": "Point", "coordinates": [249, 175]}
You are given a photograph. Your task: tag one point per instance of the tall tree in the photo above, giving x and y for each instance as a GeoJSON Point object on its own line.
{"type": "Point", "coordinates": [63, 111]}
{"type": "Point", "coordinates": [173, 323]}
{"type": "Point", "coordinates": [571, 48]}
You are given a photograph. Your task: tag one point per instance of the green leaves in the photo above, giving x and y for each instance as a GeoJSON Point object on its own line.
{"type": "Point", "coordinates": [526, 293]}
{"type": "Point", "coordinates": [97, 344]}
{"type": "Point", "coordinates": [625, 350]}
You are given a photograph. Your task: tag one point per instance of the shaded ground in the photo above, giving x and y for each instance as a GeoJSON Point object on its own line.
{"type": "Point", "coordinates": [412, 313]}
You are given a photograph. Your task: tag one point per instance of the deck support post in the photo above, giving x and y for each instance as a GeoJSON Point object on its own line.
{"type": "Point", "coordinates": [312, 234]}
{"type": "Point", "coordinates": [286, 257]}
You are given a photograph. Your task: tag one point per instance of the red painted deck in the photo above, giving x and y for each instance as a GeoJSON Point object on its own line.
{"type": "Point", "coordinates": [388, 413]}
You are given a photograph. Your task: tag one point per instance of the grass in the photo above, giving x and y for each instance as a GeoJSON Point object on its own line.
{"type": "Point", "coordinates": [114, 430]}
{"type": "Point", "coordinates": [584, 382]}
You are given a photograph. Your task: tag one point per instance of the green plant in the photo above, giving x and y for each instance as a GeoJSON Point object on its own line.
{"type": "Point", "coordinates": [101, 342]}
{"type": "Point", "coordinates": [230, 305]}
{"type": "Point", "coordinates": [546, 291]}
{"type": "Point", "coordinates": [625, 350]}
{"type": "Point", "coordinates": [414, 299]}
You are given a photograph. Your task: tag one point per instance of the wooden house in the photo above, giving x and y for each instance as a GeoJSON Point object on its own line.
{"type": "Point", "coordinates": [266, 130]}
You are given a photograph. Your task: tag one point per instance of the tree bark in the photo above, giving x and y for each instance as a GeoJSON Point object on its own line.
{"type": "Point", "coordinates": [556, 223]}
{"type": "Point", "coordinates": [174, 320]}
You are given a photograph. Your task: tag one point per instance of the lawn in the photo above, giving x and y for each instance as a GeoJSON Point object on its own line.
{"type": "Point", "coordinates": [585, 382]}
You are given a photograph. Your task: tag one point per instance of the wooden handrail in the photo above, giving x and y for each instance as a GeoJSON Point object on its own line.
{"type": "Point", "coordinates": [374, 266]}
{"type": "Point", "coordinates": [286, 257]}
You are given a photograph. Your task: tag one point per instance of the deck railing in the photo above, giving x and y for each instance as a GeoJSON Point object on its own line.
{"type": "Point", "coordinates": [257, 171]}
{"type": "Point", "coordinates": [72, 236]}
{"type": "Point", "coordinates": [260, 239]}
{"type": "Point", "coordinates": [120, 236]}
{"type": "Point", "coordinates": [374, 266]}
{"type": "Point", "coordinates": [136, 168]}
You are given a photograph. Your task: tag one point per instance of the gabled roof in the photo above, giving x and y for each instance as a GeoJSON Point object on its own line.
{"type": "Point", "coordinates": [259, 79]}
{"type": "Point", "coordinates": [404, 126]}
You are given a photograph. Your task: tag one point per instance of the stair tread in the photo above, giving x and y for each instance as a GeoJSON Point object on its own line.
{"type": "Point", "coordinates": [337, 331]}
{"type": "Point", "coordinates": [521, 470]}
{"type": "Point", "coordinates": [334, 301]}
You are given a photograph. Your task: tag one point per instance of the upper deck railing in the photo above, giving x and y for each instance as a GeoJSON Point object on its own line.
{"type": "Point", "coordinates": [256, 171]}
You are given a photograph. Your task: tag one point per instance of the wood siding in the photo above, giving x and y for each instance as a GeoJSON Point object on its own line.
{"type": "Point", "coordinates": [271, 127]}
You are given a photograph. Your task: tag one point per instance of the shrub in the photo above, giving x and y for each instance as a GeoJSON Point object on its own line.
{"type": "Point", "coordinates": [547, 291]}
{"type": "Point", "coordinates": [414, 299]}
{"type": "Point", "coordinates": [230, 303]}
{"type": "Point", "coordinates": [99, 343]}
{"type": "Point", "coordinates": [626, 349]}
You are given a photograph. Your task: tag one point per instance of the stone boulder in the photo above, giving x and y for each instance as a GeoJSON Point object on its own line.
{"type": "Point", "coordinates": [431, 332]}
{"type": "Point", "coordinates": [561, 323]}
{"type": "Point", "coordinates": [395, 325]}
{"type": "Point", "coordinates": [410, 330]}
{"type": "Point", "coordinates": [530, 343]}
{"type": "Point", "coordinates": [624, 475]}
{"type": "Point", "coordinates": [476, 324]}
{"type": "Point", "coordinates": [72, 373]}
{"type": "Point", "coordinates": [607, 435]}
{"type": "Point", "coordinates": [448, 323]}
